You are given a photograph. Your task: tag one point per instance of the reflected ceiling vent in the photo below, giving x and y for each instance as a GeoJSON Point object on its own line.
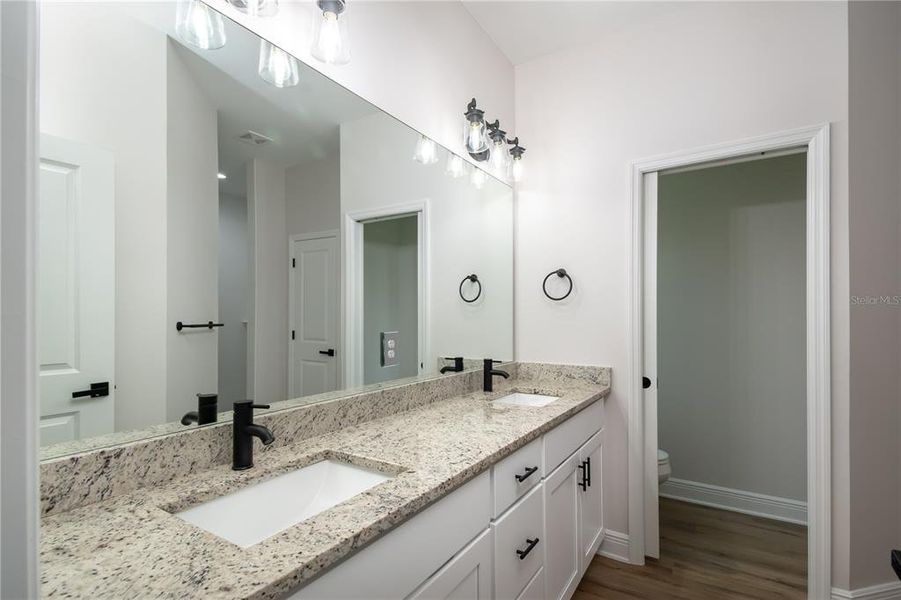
{"type": "Point", "coordinates": [253, 138]}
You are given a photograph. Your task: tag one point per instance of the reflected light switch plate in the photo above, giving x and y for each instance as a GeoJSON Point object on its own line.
{"type": "Point", "coordinates": [389, 348]}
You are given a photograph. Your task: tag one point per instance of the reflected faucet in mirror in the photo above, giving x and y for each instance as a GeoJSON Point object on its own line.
{"type": "Point", "coordinates": [207, 410]}
{"type": "Point", "coordinates": [454, 368]}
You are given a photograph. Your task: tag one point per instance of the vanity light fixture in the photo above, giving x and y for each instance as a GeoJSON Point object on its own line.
{"type": "Point", "coordinates": [221, 176]}
{"type": "Point", "coordinates": [277, 66]}
{"type": "Point", "coordinates": [478, 178]}
{"type": "Point", "coordinates": [330, 43]}
{"type": "Point", "coordinates": [516, 168]}
{"type": "Point", "coordinates": [426, 152]}
{"type": "Point", "coordinates": [456, 167]}
{"type": "Point", "coordinates": [199, 25]}
{"type": "Point", "coordinates": [498, 149]}
{"type": "Point", "coordinates": [256, 8]}
{"type": "Point", "coordinates": [475, 137]}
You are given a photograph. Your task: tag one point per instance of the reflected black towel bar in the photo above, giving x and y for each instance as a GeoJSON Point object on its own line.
{"type": "Point", "coordinates": [208, 325]}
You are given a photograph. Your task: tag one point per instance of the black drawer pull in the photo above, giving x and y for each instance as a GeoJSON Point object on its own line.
{"type": "Point", "coordinates": [522, 554]}
{"type": "Point", "coordinates": [527, 474]}
{"type": "Point", "coordinates": [585, 480]}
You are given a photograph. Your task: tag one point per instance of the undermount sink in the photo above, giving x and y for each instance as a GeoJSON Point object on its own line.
{"type": "Point", "coordinates": [521, 399]}
{"type": "Point", "coordinates": [254, 513]}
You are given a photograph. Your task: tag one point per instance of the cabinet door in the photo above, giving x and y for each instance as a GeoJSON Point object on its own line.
{"type": "Point", "coordinates": [467, 576]}
{"type": "Point", "coordinates": [561, 517]}
{"type": "Point", "coordinates": [591, 498]}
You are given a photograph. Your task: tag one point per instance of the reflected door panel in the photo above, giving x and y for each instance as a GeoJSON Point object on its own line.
{"type": "Point", "coordinates": [75, 290]}
{"type": "Point", "coordinates": [314, 314]}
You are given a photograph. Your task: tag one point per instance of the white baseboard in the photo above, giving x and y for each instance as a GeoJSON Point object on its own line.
{"type": "Point", "coordinates": [749, 503]}
{"type": "Point", "coordinates": [615, 546]}
{"type": "Point", "coordinates": [883, 591]}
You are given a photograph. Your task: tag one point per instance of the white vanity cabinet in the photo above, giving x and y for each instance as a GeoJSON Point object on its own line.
{"type": "Point", "coordinates": [524, 530]}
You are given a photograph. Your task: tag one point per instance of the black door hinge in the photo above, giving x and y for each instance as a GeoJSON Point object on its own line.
{"type": "Point", "coordinates": [293, 263]}
{"type": "Point", "coordinates": [292, 334]}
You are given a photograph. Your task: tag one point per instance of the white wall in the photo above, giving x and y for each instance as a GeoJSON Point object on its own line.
{"type": "Point", "coordinates": [702, 74]}
{"type": "Point", "coordinates": [390, 296]}
{"type": "Point", "coordinates": [731, 325]}
{"type": "Point", "coordinates": [192, 240]}
{"type": "Point", "coordinates": [470, 232]}
{"type": "Point", "coordinates": [419, 61]}
{"type": "Point", "coordinates": [875, 127]}
{"type": "Point", "coordinates": [269, 327]}
{"type": "Point", "coordinates": [234, 296]}
{"type": "Point", "coordinates": [313, 196]}
{"type": "Point", "coordinates": [117, 100]}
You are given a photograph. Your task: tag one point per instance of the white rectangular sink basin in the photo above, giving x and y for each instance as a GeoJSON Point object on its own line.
{"type": "Point", "coordinates": [252, 514]}
{"type": "Point", "coordinates": [520, 399]}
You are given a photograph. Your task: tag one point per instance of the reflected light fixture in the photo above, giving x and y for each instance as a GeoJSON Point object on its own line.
{"type": "Point", "coordinates": [256, 8]}
{"type": "Point", "coordinates": [220, 175]}
{"type": "Point", "coordinates": [456, 168]}
{"type": "Point", "coordinates": [277, 66]}
{"type": "Point", "coordinates": [426, 152]}
{"type": "Point", "coordinates": [330, 43]}
{"type": "Point", "coordinates": [516, 168]}
{"type": "Point", "coordinates": [478, 178]}
{"type": "Point", "coordinates": [475, 138]}
{"type": "Point", "coordinates": [199, 25]}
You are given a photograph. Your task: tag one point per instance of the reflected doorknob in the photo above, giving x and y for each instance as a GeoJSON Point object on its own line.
{"type": "Point", "coordinates": [329, 352]}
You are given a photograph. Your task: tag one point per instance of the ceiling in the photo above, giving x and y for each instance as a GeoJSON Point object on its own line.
{"type": "Point", "coordinates": [527, 29]}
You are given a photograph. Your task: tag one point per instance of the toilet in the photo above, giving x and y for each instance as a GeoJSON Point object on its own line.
{"type": "Point", "coordinates": [663, 467]}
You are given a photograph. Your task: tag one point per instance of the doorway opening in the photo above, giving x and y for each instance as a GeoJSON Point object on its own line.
{"type": "Point", "coordinates": [708, 333]}
{"type": "Point", "coordinates": [724, 350]}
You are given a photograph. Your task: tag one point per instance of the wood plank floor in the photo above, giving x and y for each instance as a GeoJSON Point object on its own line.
{"type": "Point", "coordinates": [708, 553]}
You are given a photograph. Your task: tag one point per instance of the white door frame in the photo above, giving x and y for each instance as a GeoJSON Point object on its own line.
{"type": "Point", "coordinates": [819, 485]}
{"type": "Point", "coordinates": [305, 237]}
{"type": "Point", "coordinates": [352, 290]}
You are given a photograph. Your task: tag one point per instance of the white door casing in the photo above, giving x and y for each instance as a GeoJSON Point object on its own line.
{"type": "Point", "coordinates": [818, 343]}
{"type": "Point", "coordinates": [649, 371]}
{"type": "Point", "coordinates": [313, 314]}
{"type": "Point", "coordinates": [76, 288]}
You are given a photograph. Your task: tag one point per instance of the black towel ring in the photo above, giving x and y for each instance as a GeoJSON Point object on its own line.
{"type": "Point", "coordinates": [475, 279]}
{"type": "Point", "coordinates": [559, 273]}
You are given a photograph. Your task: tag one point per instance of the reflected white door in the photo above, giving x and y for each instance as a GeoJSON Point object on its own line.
{"type": "Point", "coordinates": [314, 316]}
{"type": "Point", "coordinates": [76, 290]}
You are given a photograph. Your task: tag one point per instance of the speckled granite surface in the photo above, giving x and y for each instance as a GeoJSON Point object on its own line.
{"type": "Point", "coordinates": [129, 546]}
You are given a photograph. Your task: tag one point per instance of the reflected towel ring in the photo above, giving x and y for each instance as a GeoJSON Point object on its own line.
{"type": "Point", "coordinates": [475, 279]}
{"type": "Point", "coordinates": [559, 273]}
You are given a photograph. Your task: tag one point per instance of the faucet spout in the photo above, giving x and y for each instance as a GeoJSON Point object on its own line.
{"type": "Point", "coordinates": [489, 373]}
{"type": "Point", "coordinates": [261, 432]}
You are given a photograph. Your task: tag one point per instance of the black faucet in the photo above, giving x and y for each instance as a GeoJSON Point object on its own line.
{"type": "Point", "coordinates": [243, 432]}
{"type": "Point", "coordinates": [489, 374]}
{"type": "Point", "coordinates": [206, 410]}
{"type": "Point", "coordinates": [457, 366]}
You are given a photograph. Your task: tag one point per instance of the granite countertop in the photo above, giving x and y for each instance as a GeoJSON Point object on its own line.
{"type": "Point", "coordinates": [132, 546]}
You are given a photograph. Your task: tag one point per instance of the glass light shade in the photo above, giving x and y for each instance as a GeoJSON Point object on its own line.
{"type": "Point", "coordinates": [277, 66]}
{"type": "Point", "coordinates": [256, 8]}
{"type": "Point", "coordinates": [199, 25]}
{"type": "Point", "coordinates": [499, 156]}
{"type": "Point", "coordinates": [478, 178]}
{"type": "Point", "coordinates": [330, 43]}
{"type": "Point", "coordinates": [456, 168]}
{"type": "Point", "coordinates": [516, 169]}
{"type": "Point", "coordinates": [426, 151]}
{"type": "Point", "coordinates": [475, 136]}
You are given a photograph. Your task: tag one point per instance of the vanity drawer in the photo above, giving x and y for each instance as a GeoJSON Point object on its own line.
{"type": "Point", "coordinates": [515, 475]}
{"type": "Point", "coordinates": [561, 441]}
{"type": "Point", "coordinates": [535, 589]}
{"type": "Point", "coordinates": [518, 553]}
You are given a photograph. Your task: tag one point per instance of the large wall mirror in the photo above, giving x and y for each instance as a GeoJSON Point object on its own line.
{"type": "Point", "coordinates": [226, 224]}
